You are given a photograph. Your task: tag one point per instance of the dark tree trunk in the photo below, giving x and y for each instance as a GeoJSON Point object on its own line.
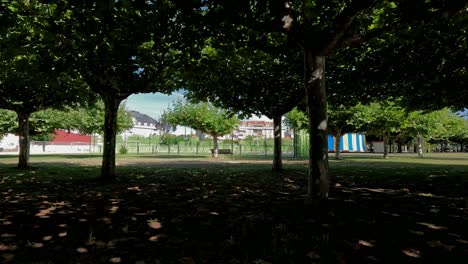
{"type": "Point", "coordinates": [337, 144]}
{"type": "Point", "coordinates": [277, 162]}
{"type": "Point", "coordinates": [400, 150]}
{"type": "Point", "coordinates": [462, 147]}
{"type": "Point", "coordinates": [110, 134]}
{"type": "Point", "coordinates": [215, 147]}
{"type": "Point", "coordinates": [385, 142]}
{"type": "Point", "coordinates": [24, 140]}
{"type": "Point", "coordinates": [314, 71]}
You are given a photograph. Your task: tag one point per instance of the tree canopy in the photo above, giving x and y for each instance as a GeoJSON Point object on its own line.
{"type": "Point", "coordinates": [204, 117]}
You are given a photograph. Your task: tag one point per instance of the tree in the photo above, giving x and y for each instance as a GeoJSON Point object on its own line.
{"type": "Point", "coordinates": [121, 48]}
{"type": "Point", "coordinates": [420, 125]}
{"type": "Point", "coordinates": [30, 77]}
{"type": "Point", "coordinates": [204, 117]}
{"type": "Point", "coordinates": [448, 126]}
{"type": "Point", "coordinates": [7, 121]}
{"type": "Point", "coordinates": [339, 123]}
{"type": "Point", "coordinates": [250, 81]}
{"type": "Point", "coordinates": [163, 128]}
{"type": "Point", "coordinates": [90, 120]}
{"type": "Point", "coordinates": [380, 119]}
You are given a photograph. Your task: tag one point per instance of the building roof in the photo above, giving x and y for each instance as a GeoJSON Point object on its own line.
{"type": "Point", "coordinates": [142, 118]}
{"type": "Point", "coordinates": [68, 137]}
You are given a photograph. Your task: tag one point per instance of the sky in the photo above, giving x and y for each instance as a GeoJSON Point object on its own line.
{"type": "Point", "coordinates": [153, 104]}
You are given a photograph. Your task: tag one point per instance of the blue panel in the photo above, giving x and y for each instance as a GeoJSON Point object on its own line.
{"type": "Point", "coordinates": [350, 141]}
{"type": "Point", "coordinates": [331, 143]}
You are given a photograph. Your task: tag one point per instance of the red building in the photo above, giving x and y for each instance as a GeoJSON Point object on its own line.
{"type": "Point", "coordinates": [66, 138]}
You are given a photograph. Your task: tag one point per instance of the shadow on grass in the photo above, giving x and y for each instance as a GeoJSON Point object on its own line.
{"type": "Point", "coordinates": [222, 215]}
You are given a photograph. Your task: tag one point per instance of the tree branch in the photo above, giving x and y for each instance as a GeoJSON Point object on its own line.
{"type": "Point", "coordinates": [335, 33]}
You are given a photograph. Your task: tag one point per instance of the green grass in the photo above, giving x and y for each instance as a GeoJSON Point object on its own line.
{"type": "Point", "coordinates": [370, 168]}
{"type": "Point", "coordinates": [231, 210]}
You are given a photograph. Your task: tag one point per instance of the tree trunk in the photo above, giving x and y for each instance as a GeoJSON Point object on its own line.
{"type": "Point", "coordinates": [215, 147]}
{"type": "Point", "coordinates": [399, 144]}
{"type": "Point", "coordinates": [24, 140]}
{"type": "Point", "coordinates": [314, 72]}
{"type": "Point", "coordinates": [462, 147]}
{"type": "Point", "coordinates": [277, 163]}
{"type": "Point", "coordinates": [337, 144]}
{"type": "Point", "coordinates": [110, 134]}
{"type": "Point", "coordinates": [420, 147]}
{"type": "Point", "coordinates": [385, 142]}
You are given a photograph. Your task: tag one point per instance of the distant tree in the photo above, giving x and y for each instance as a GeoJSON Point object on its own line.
{"type": "Point", "coordinates": [448, 126]}
{"type": "Point", "coordinates": [420, 125]}
{"type": "Point", "coordinates": [163, 128]}
{"type": "Point", "coordinates": [91, 119]}
{"type": "Point", "coordinates": [296, 119]}
{"type": "Point", "coordinates": [8, 122]}
{"type": "Point", "coordinates": [380, 119]}
{"type": "Point", "coordinates": [250, 80]}
{"type": "Point", "coordinates": [204, 117]}
{"type": "Point", "coordinates": [339, 123]}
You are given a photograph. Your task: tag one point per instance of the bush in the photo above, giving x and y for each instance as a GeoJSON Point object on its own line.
{"type": "Point", "coordinates": [123, 149]}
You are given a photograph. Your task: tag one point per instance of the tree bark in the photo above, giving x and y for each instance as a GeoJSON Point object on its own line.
{"type": "Point", "coordinates": [277, 162]}
{"type": "Point", "coordinates": [215, 147]}
{"type": "Point", "coordinates": [385, 147]}
{"type": "Point", "coordinates": [110, 134]}
{"type": "Point", "coordinates": [337, 144]}
{"type": "Point", "coordinates": [399, 144]}
{"type": "Point", "coordinates": [420, 147]}
{"type": "Point", "coordinates": [24, 139]}
{"type": "Point", "coordinates": [314, 71]}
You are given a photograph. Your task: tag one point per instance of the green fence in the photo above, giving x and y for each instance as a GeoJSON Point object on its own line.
{"type": "Point", "coordinates": [257, 147]}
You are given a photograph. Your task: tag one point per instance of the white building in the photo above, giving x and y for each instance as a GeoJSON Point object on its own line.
{"type": "Point", "coordinates": [256, 128]}
{"type": "Point", "coordinates": [143, 125]}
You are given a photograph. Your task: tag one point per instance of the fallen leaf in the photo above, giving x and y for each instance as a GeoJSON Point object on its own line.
{"type": "Point", "coordinates": [365, 243]}
{"type": "Point", "coordinates": [414, 253]}
{"type": "Point", "coordinates": [82, 250]}
{"type": "Point", "coordinates": [37, 245]}
{"type": "Point", "coordinates": [115, 260]}
{"type": "Point", "coordinates": [154, 238]}
{"type": "Point", "coordinates": [113, 209]}
{"type": "Point", "coordinates": [154, 224]}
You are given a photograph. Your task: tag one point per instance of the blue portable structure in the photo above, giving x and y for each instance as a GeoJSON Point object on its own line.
{"type": "Point", "coordinates": [350, 142]}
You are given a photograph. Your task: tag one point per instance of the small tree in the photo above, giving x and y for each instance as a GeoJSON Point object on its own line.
{"type": "Point", "coordinates": [380, 119]}
{"type": "Point", "coordinates": [163, 128]}
{"type": "Point", "coordinates": [204, 117]}
{"type": "Point", "coordinates": [339, 123]}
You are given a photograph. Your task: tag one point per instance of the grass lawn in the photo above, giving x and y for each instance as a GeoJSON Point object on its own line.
{"type": "Point", "coordinates": [194, 209]}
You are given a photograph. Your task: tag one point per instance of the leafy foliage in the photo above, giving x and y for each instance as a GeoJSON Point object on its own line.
{"type": "Point", "coordinates": [203, 117]}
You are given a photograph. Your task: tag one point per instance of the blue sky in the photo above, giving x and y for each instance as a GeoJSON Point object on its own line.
{"type": "Point", "coordinates": [152, 104]}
